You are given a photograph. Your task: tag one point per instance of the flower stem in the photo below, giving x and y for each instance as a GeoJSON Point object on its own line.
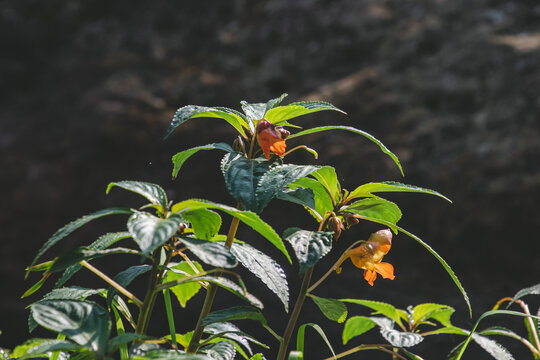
{"type": "Point", "coordinates": [146, 308]}
{"type": "Point", "coordinates": [113, 283]}
{"type": "Point", "coordinates": [381, 347]}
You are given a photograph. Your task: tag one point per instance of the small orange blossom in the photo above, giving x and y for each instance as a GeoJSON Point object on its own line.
{"type": "Point", "coordinates": [271, 138]}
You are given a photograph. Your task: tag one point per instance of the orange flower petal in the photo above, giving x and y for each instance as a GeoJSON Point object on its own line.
{"type": "Point", "coordinates": [386, 270]}
{"type": "Point", "coordinates": [269, 139]}
{"type": "Point", "coordinates": [370, 276]}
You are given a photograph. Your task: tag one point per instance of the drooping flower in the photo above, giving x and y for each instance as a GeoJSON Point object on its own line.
{"type": "Point", "coordinates": [369, 254]}
{"type": "Point", "coordinates": [271, 138]}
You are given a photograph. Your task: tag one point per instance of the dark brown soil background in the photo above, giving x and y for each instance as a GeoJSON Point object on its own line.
{"type": "Point", "coordinates": [452, 87]}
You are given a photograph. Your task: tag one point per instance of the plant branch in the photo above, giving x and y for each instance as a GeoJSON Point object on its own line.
{"type": "Point", "coordinates": [381, 347]}
{"type": "Point", "coordinates": [113, 283]}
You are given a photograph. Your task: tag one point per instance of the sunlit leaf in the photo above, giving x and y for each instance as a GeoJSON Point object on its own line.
{"type": "Point", "coordinates": [323, 201]}
{"type": "Point", "coordinates": [180, 158]}
{"type": "Point", "coordinates": [124, 338]}
{"type": "Point", "coordinates": [230, 331]}
{"type": "Point", "coordinates": [154, 193]}
{"type": "Point", "coordinates": [327, 176]}
{"type": "Point", "coordinates": [333, 309]}
{"type": "Point", "coordinates": [375, 209]}
{"type": "Point", "coordinates": [280, 114]}
{"type": "Point", "coordinates": [150, 232]}
{"type": "Point", "coordinates": [309, 246]}
{"type": "Point", "coordinates": [77, 255]}
{"type": "Point", "coordinates": [441, 313]}
{"type": "Point", "coordinates": [533, 290]}
{"type": "Point", "coordinates": [385, 309]}
{"type": "Point", "coordinates": [301, 334]}
{"type": "Point", "coordinates": [304, 197]}
{"type": "Point", "coordinates": [390, 186]}
{"type": "Point", "coordinates": [395, 337]}
{"type": "Point", "coordinates": [234, 313]}
{"type": "Point", "coordinates": [184, 291]}
{"type": "Point", "coordinates": [205, 223]}
{"type": "Point", "coordinates": [36, 348]}
{"type": "Point", "coordinates": [355, 326]}
{"type": "Point", "coordinates": [220, 351]}
{"type": "Point", "coordinates": [210, 252]}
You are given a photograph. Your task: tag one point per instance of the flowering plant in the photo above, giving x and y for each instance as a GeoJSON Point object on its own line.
{"type": "Point", "coordinates": [181, 248]}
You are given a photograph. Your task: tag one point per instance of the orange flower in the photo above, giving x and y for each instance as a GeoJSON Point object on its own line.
{"type": "Point", "coordinates": [271, 138]}
{"type": "Point", "coordinates": [368, 256]}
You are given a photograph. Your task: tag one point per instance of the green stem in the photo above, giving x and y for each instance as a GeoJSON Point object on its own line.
{"type": "Point", "coordinates": [381, 347]}
{"type": "Point", "coordinates": [146, 309]}
{"type": "Point", "coordinates": [170, 317]}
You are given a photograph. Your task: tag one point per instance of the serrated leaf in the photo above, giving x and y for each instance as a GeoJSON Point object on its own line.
{"type": "Point", "coordinates": [327, 176]}
{"type": "Point", "coordinates": [319, 330]}
{"type": "Point", "coordinates": [254, 111]}
{"type": "Point", "coordinates": [180, 158]}
{"type": "Point", "coordinates": [230, 331]}
{"type": "Point", "coordinates": [234, 313]}
{"type": "Point", "coordinates": [220, 351]}
{"type": "Point", "coordinates": [370, 137]}
{"type": "Point", "coordinates": [441, 313]}
{"type": "Point", "coordinates": [301, 196]}
{"type": "Point", "coordinates": [375, 209]}
{"type": "Point", "coordinates": [242, 177]}
{"type": "Point", "coordinates": [205, 223]}
{"type": "Point", "coordinates": [210, 252]}
{"type": "Point", "coordinates": [355, 326]}
{"type": "Point", "coordinates": [154, 193]}
{"type": "Point", "coordinates": [101, 243]}
{"type": "Point", "coordinates": [395, 337]}
{"type": "Point", "coordinates": [125, 277]}
{"type": "Point", "coordinates": [323, 201]}
{"type": "Point", "coordinates": [492, 347]}
{"type": "Point", "coordinates": [233, 117]}
{"type": "Point", "coordinates": [168, 355]}
{"type": "Point", "coordinates": [43, 347]}
{"type": "Point", "coordinates": [122, 339]}
{"type": "Point", "coordinates": [533, 290]}
{"type": "Point", "coordinates": [309, 246]}
{"type": "Point", "coordinates": [270, 104]}
{"type": "Point", "coordinates": [385, 309]}
{"type": "Point", "coordinates": [390, 186]}
{"type": "Point", "coordinates": [265, 268]}
{"type": "Point", "coordinates": [84, 322]}
{"type": "Point", "coordinates": [150, 232]}
{"type": "Point", "coordinates": [185, 291]}
{"type": "Point", "coordinates": [74, 225]}
{"type": "Point", "coordinates": [276, 179]}
{"type": "Point", "coordinates": [77, 255]}
{"type": "Point", "coordinates": [281, 114]}
{"type": "Point", "coordinates": [333, 309]}
{"type": "Point", "coordinates": [247, 217]}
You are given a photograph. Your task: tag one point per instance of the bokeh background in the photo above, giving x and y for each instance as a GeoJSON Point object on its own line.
{"type": "Point", "coordinates": [451, 86]}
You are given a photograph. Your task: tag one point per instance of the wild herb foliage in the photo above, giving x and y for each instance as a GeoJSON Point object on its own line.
{"type": "Point", "coordinates": [183, 249]}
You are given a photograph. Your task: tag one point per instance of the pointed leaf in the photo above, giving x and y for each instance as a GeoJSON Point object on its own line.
{"type": "Point", "coordinates": [357, 131]}
{"type": "Point", "coordinates": [385, 309]}
{"type": "Point", "coordinates": [323, 201]}
{"type": "Point", "coordinates": [233, 117]}
{"type": "Point", "coordinates": [333, 309]}
{"type": "Point", "coordinates": [74, 225]}
{"type": "Point", "coordinates": [184, 291]}
{"type": "Point", "coordinates": [276, 179]}
{"type": "Point", "coordinates": [247, 217]}
{"type": "Point", "coordinates": [234, 313]}
{"type": "Point", "coordinates": [101, 243]}
{"type": "Point", "coordinates": [154, 193]}
{"type": "Point", "coordinates": [162, 354]}
{"type": "Point", "coordinates": [390, 186]}
{"type": "Point", "coordinates": [255, 111]}
{"type": "Point", "coordinates": [270, 104]}
{"type": "Point", "coordinates": [533, 290]}
{"type": "Point", "coordinates": [309, 246]}
{"type": "Point", "coordinates": [355, 326]}
{"type": "Point", "coordinates": [210, 252]}
{"type": "Point", "coordinates": [84, 322]}
{"type": "Point", "coordinates": [242, 177]}
{"type": "Point", "coordinates": [230, 331]}
{"type": "Point", "coordinates": [327, 176]}
{"type": "Point", "coordinates": [304, 197]}
{"type": "Point", "coordinates": [410, 355]}
{"type": "Point", "coordinates": [375, 209]}
{"type": "Point", "coordinates": [205, 223]}
{"type": "Point", "coordinates": [77, 255]}
{"type": "Point", "coordinates": [124, 338]}
{"type": "Point", "coordinates": [223, 350]}
{"type": "Point", "coordinates": [395, 337]}
{"type": "Point", "coordinates": [150, 232]}
{"type": "Point", "coordinates": [441, 313]}
{"type": "Point", "coordinates": [265, 268]}
{"type": "Point", "coordinates": [492, 347]}
{"type": "Point", "coordinates": [180, 158]}
{"type": "Point", "coordinates": [281, 114]}
{"type": "Point", "coordinates": [300, 337]}
{"type": "Point", "coordinates": [42, 347]}
{"type": "Point", "coordinates": [125, 277]}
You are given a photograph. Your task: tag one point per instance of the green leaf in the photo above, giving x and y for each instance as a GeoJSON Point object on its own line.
{"type": "Point", "coordinates": [150, 232]}
{"type": "Point", "coordinates": [355, 326]}
{"type": "Point", "coordinates": [101, 243]}
{"type": "Point", "coordinates": [234, 313]}
{"type": "Point", "coordinates": [125, 277]}
{"type": "Point", "coordinates": [395, 337]}
{"type": "Point", "coordinates": [124, 338]}
{"type": "Point", "coordinates": [375, 209]}
{"type": "Point", "coordinates": [247, 217]}
{"type": "Point", "coordinates": [441, 313]}
{"type": "Point", "coordinates": [410, 355]}
{"type": "Point", "coordinates": [74, 225]}
{"type": "Point", "coordinates": [300, 337]}
{"type": "Point", "coordinates": [257, 356]}
{"type": "Point", "coordinates": [184, 291]}
{"type": "Point", "coordinates": [33, 348]}
{"type": "Point", "coordinates": [492, 347]}
{"type": "Point", "coordinates": [333, 309]}
{"type": "Point", "coordinates": [205, 223]}
{"type": "Point", "coordinates": [265, 268]}
{"type": "Point", "coordinates": [385, 309]}
{"type": "Point", "coordinates": [180, 158]}
{"type": "Point", "coordinates": [295, 355]}
{"type": "Point", "coordinates": [223, 350]}
{"type": "Point", "coordinates": [533, 290]}
{"type": "Point", "coordinates": [323, 201]}
{"type": "Point", "coordinates": [169, 355]}
{"type": "Point", "coordinates": [390, 186]}
{"type": "Point", "coordinates": [255, 111]}
{"type": "Point", "coordinates": [304, 197]}
{"type": "Point", "coordinates": [233, 117]}
{"type": "Point", "coordinates": [242, 177]}
{"type": "Point", "coordinates": [309, 246]}
{"type": "Point", "coordinates": [354, 130]}
{"type": "Point", "coordinates": [77, 255]}
{"type": "Point", "coordinates": [230, 331]}
{"type": "Point", "coordinates": [210, 252]}
{"type": "Point", "coordinates": [281, 114]}
{"type": "Point", "coordinates": [154, 193]}
{"type": "Point", "coordinates": [86, 323]}
{"type": "Point", "coordinates": [327, 176]}
{"type": "Point", "coordinates": [270, 104]}
{"type": "Point", "coordinates": [443, 263]}
{"type": "Point", "coordinates": [447, 330]}
{"type": "Point", "coordinates": [276, 179]}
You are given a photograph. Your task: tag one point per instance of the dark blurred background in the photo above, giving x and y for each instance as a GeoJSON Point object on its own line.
{"type": "Point", "coordinates": [451, 86]}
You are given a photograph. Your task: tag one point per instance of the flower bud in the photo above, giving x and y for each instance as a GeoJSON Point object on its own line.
{"type": "Point", "coordinates": [335, 224]}
{"type": "Point", "coordinates": [284, 133]}
{"type": "Point", "coordinates": [350, 220]}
